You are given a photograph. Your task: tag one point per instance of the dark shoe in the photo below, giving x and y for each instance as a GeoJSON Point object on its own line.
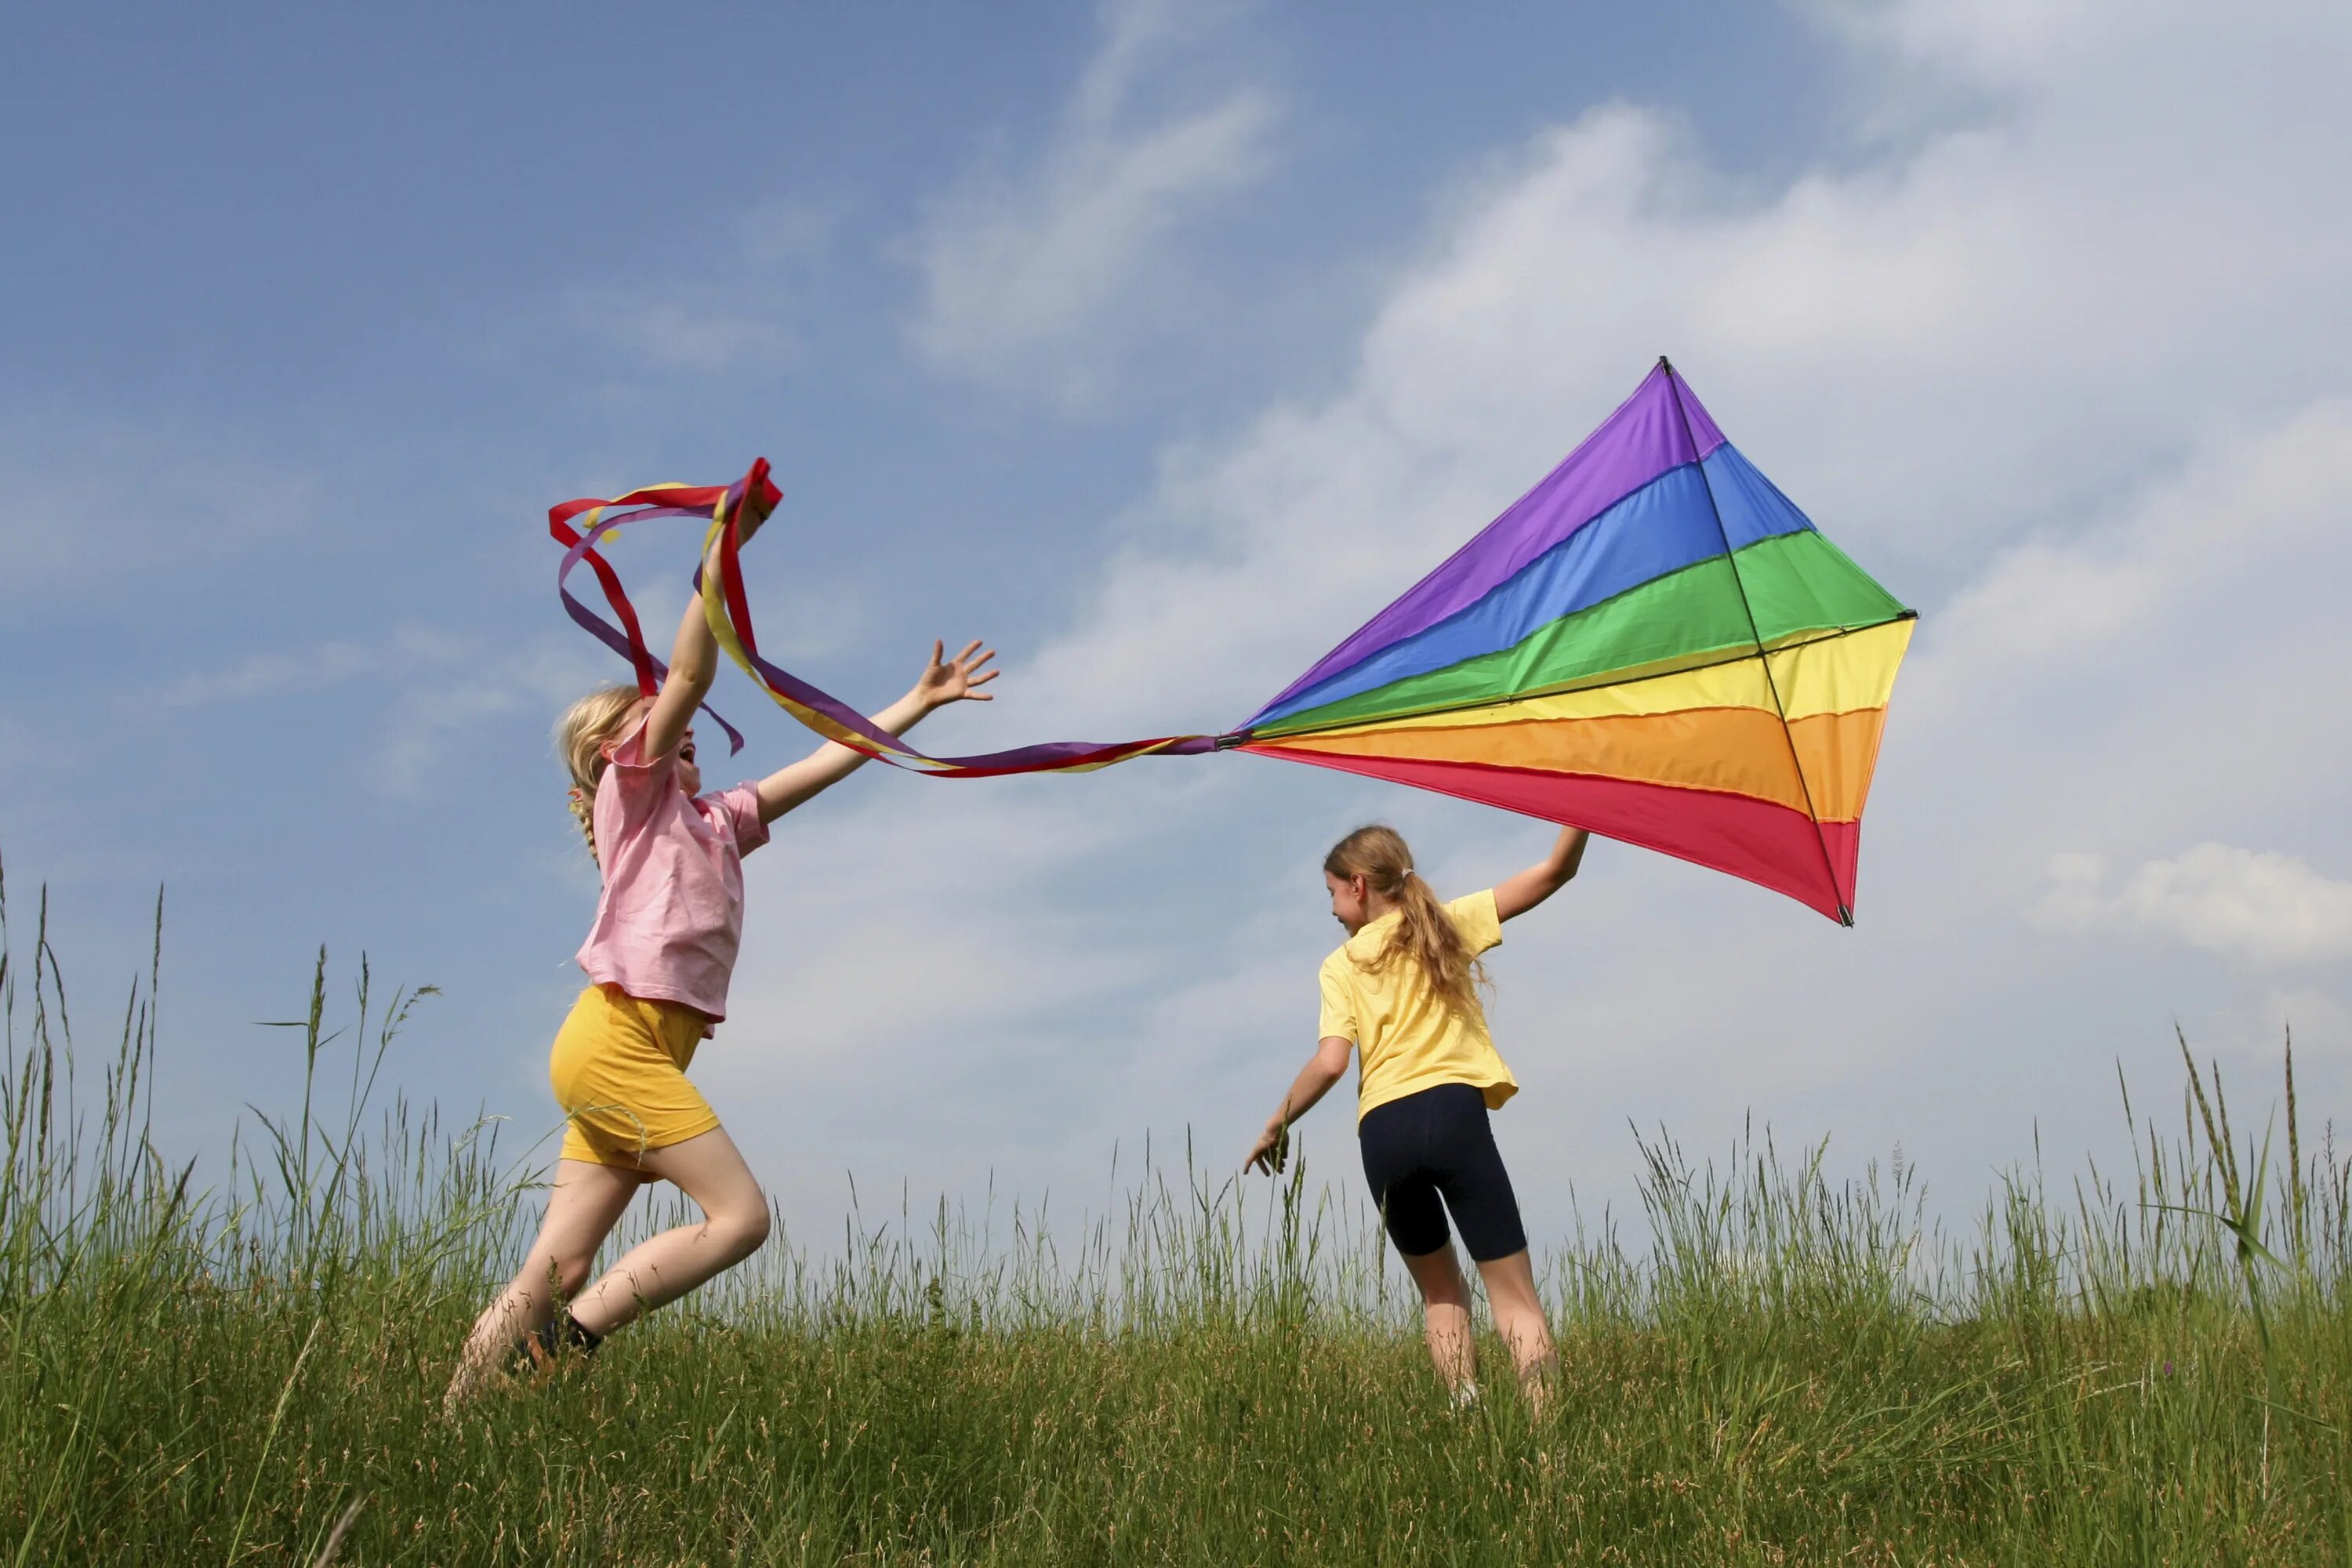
{"type": "Point", "coordinates": [559, 1336]}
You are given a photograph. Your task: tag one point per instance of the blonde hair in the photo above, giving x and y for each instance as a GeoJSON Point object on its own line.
{"type": "Point", "coordinates": [1425, 933]}
{"type": "Point", "coordinates": [587, 726]}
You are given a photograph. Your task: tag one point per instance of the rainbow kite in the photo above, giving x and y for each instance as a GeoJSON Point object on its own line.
{"type": "Point", "coordinates": [1654, 643]}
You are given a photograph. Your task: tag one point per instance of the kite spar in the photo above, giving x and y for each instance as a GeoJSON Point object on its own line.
{"type": "Point", "coordinates": [1653, 643]}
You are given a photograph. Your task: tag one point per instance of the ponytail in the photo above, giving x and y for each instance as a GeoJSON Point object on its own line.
{"type": "Point", "coordinates": [1425, 933]}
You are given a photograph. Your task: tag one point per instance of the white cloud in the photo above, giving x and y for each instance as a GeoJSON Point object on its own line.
{"type": "Point", "coordinates": [2316, 1017]}
{"type": "Point", "coordinates": [905, 934]}
{"type": "Point", "coordinates": [742, 311]}
{"type": "Point", "coordinates": [2156, 678]}
{"type": "Point", "coordinates": [2053, 368]}
{"type": "Point", "coordinates": [1936, 355]}
{"type": "Point", "coordinates": [435, 686]}
{"type": "Point", "coordinates": [1032, 279]}
{"type": "Point", "coordinates": [2248, 516]}
{"type": "Point", "coordinates": [434, 707]}
{"type": "Point", "coordinates": [93, 499]}
{"type": "Point", "coordinates": [2010, 44]}
{"type": "Point", "coordinates": [406, 651]}
{"type": "Point", "coordinates": [443, 686]}
{"type": "Point", "coordinates": [708, 331]}
{"type": "Point", "coordinates": [2269, 909]}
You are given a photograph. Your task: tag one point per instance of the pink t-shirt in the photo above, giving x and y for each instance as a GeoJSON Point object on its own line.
{"type": "Point", "coordinates": [671, 914]}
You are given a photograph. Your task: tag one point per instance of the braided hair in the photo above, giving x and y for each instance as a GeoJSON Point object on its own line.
{"type": "Point", "coordinates": [586, 729]}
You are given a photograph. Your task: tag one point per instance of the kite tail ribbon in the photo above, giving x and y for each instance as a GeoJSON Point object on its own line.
{"type": "Point", "coordinates": [1653, 643]}
{"type": "Point", "coordinates": [728, 612]}
{"type": "Point", "coordinates": [649, 504]}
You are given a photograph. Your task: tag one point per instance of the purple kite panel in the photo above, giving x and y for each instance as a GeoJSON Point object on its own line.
{"type": "Point", "coordinates": [1646, 437]}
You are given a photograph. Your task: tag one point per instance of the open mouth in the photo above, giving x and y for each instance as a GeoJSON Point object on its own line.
{"type": "Point", "coordinates": [686, 752]}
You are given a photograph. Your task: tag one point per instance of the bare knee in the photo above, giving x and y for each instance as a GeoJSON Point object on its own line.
{"type": "Point", "coordinates": [557, 1276]}
{"type": "Point", "coordinates": [751, 1229]}
{"type": "Point", "coordinates": [742, 1231]}
{"type": "Point", "coordinates": [1440, 1279]}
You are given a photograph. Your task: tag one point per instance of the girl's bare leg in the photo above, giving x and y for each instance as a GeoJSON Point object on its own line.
{"type": "Point", "coordinates": [710, 1170]}
{"type": "Point", "coordinates": [586, 1202]}
{"type": "Point", "coordinates": [1445, 1317]}
{"type": "Point", "coordinates": [1519, 1319]}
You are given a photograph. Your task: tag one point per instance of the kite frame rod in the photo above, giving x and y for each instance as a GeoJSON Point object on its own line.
{"type": "Point", "coordinates": [1829, 863]}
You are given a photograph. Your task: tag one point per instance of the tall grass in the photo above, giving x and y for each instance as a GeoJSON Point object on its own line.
{"type": "Point", "coordinates": [2141, 1366]}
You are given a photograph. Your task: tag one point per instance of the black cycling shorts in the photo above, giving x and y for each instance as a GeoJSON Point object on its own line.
{"type": "Point", "coordinates": [1438, 1144]}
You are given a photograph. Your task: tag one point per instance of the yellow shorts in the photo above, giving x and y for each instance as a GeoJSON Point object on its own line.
{"type": "Point", "coordinates": [619, 1072]}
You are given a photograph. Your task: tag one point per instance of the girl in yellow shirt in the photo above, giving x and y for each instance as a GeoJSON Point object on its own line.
{"type": "Point", "coordinates": [1402, 990]}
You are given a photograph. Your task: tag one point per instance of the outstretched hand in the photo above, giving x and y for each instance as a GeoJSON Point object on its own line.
{"type": "Point", "coordinates": [956, 679]}
{"type": "Point", "coordinates": [1271, 1150]}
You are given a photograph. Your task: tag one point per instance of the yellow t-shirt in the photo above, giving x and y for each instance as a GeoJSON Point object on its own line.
{"type": "Point", "coordinates": [1406, 1039]}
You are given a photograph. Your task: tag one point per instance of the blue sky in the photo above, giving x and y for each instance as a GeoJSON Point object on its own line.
{"type": "Point", "coordinates": [1162, 345]}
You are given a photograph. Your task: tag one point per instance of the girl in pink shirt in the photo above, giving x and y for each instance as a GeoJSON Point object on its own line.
{"type": "Point", "coordinates": [657, 959]}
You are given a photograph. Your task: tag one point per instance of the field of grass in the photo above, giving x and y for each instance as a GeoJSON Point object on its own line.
{"type": "Point", "coordinates": [2152, 1367]}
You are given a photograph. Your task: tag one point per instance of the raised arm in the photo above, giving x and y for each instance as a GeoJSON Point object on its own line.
{"type": "Point", "coordinates": [1326, 1066]}
{"type": "Point", "coordinates": [1516, 895]}
{"type": "Point", "coordinates": [943, 680]}
{"type": "Point", "coordinates": [693, 663]}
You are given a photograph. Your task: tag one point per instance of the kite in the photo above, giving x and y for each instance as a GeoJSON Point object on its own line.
{"type": "Point", "coordinates": [1653, 643]}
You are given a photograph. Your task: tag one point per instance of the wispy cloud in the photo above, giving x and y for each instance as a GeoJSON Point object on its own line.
{"type": "Point", "coordinates": [1028, 272]}
{"type": "Point", "coordinates": [706, 329]}
{"type": "Point", "coordinates": [2120, 537]}
{"type": "Point", "coordinates": [90, 497]}
{"type": "Point", "coordinates": [2241, 512]}
{"type": "Point", "coordinates": [433, 687]}
{"type": "Point", "coordinates": [433, 710]}
{"type": "Point", "coordinates": [1930, 344]}
{"type": "Point", "coordinates": [748, 305]}
{"type": "Point", "coordinates": [2269, 909]}
{"type": "Point", "coordinates": [406, 652]}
